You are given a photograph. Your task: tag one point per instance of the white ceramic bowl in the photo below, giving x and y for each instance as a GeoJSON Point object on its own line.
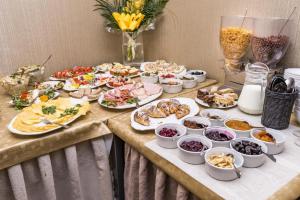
{"type": "Point", "coordinates": [273, 148]}
{"type": "Point", "coordinates": [219, 173]}
{"type": "Point", "coordinates": [169, 142]}
{"type": "Point", "coordinates": [162, 79]}
{"type": "Point", "coordinates": [239, 133]}
{"type": "Point", "coordinates": [153, 78]}
{"type": "Point", "coordinates": [200, 78]}
{"type": "Point", "coordinates": [191, 157]}
{"type": "Point", "coordinates": [197, 119]}
{"type": "Point", "coordinates": [189, 83]}
{"type": "Point", "coordinates": [252, 160]}
{"type": "Point", "coordinates": [221, 130]}
{"type": "Point", "coordinates": [172, 89]}
{"type": "Point", "coordinates": [214, 122]}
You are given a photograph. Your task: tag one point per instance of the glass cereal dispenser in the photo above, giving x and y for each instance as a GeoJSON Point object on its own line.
{"type": "Point", "coordinates": [235, 36]}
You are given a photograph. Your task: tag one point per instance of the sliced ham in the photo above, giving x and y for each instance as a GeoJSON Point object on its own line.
{"type": "Point", "coordinates": [152, 89]}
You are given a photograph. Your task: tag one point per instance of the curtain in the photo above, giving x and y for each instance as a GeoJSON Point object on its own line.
{"type": "Point", "coordinates": [78, 172]}
{"type": "Point", "coordinates": [143, 181]}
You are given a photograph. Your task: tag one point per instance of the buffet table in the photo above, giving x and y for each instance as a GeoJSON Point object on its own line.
{"type": "Point", "coordinates": [145, 168]}
{"type": "Point", "coordinates": [77, 157]}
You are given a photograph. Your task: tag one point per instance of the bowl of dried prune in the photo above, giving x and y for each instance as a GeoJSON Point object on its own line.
{"type": "Point", "coordinates": [192, 148]}
{"type": "Point", "coordinates": [168, 134]}
{"type": "Point", "coordinates": [219, 136]}
{"type": "Point", "coordinates": [252, 150]}
{"type": "Point", "coordinates": [196, 124]}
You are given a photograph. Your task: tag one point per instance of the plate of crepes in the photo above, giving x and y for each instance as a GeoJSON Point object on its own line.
{"type": "Point", "coordinates": [162, 67]}
{"type": "Point", "coordinates": [86, 81]}
{"type": "Point", "coordinates": [119, 81]}
{"type": "Point", "coordinates": [70, 73]}
{"type": "Point", "coordinates": [62, 110]}
{"type": "Point", "coordinates": [149, 116]}
{"type": "Point", "coordinates": [118, 69]}
{"type": "Point", "coordinates": [217, 98]}
{"type": "Point", "coordinates": [128, 95]}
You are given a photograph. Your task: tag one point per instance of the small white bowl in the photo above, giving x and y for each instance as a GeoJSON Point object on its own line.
{"type": "Point", "coordinates": [197, 119]}
{"type": "Point", "coordinates": [189, 83]}
{"type": "Point", "coordinates": [191, 157]}
{"type": "Point", "coordinates": [214, 122]}
{"type": "Point", "coordinates": [172, 89]}
{"type": "Point", "coordinates": [252, 160]}
{"type": "Point", "coordinates": [223, 174]}
{"type": "Point", "coordinates": [239, 133]}
{"type": "Point", "coordinates": [153, 78]}
{"type": "Point", "coordinates": [162, 79]}
{"type": "Point", "coordinates": [200, 78]}
{"type": "Point", "coordinates": [222, 130]}
{"type": "Point", "coordinates": [169, 142]}
{"type": "Point", "coordinates": [273, 148]}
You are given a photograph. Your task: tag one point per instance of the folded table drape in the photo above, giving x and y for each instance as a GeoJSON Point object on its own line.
{"type": "Point", "coordinates": [78, 172]}
{"type": "Point", "coordinates": [144, 181]}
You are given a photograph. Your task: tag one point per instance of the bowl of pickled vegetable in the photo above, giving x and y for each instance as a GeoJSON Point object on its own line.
{"type": "Point", "coordinates": [273, 139]}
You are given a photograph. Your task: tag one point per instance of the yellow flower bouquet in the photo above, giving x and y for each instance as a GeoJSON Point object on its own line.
{"type": "Point", "coordinates": [131, 17]}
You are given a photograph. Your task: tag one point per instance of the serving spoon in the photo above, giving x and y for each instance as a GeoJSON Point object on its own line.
{"type": "Point", "coordinates": [237, 171]}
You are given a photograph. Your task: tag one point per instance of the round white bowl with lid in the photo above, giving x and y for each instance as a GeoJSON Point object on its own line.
{"type": "Point", "coordinates": [252, 161]}
{"type": "Point", "coordinates": [223, 174]}
{"type": "Point", "coordinates": [197, 119]}
{"type": "Point", "coordinates": [169, 142]}
{"type": "Point", "coordinates": [273, 148]}
{"type": "Point", "coordinates": [192, 157]}
{"type": "Point", "coordinates": [223, 130]}
{"type": "Point", "coordinates": [214, 112]}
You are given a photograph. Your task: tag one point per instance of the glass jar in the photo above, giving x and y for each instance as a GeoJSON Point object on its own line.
{"type": "Point", "coordinates": [235, 35]}
{"type": "Point", "coordinates": [133, 48]}
{"type": "Point", "coordinates": [252, 96]}
{"type": "Point", "coordinates": [271, 39]}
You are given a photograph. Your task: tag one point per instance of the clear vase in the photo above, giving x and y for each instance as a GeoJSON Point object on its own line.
{"type": "Point", "coordinates": [133, 48]}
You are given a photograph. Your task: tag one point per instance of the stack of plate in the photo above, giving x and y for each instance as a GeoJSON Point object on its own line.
{"type": "Point", "coordinates": [297, 104]}
{"type": "Point", "coordinates": [295, 74]}
{"type": "Point", "coordinates": [292, 73]}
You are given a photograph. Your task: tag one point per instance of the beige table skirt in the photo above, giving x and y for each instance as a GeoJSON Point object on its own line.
{"type": "Point", "coordinates": [144, 181]}
{"type": "Point", "coordinates": [78, 172]}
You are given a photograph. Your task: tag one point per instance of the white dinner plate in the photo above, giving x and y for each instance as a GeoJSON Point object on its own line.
{"type": "Point", "coordinates": [155, 122]}
{"type": "Point", "coordinates": [69, 88]}
{"type": "Point", "coordinates": [126, 106]}
{"type": "Point", "coordinates": [142, 68]}
{"type": "Point", "coordinates": [18, 132]}
{"type": "Point", "coordinates": [202, 103]}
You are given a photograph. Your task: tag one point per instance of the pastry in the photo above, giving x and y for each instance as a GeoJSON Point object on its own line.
{"type": "Point", "coordinates": [202, 93]}
{"type": "Point", "coordinates": [164, 106]}
{"type": "Point", "coordinates": [155, 112]}
{"type": "Point", "coordinates": [142, 118]}
{"type": "Point", "coordinates": [231, 95]}
{"type": "Point", "coordinates": [173, 105]}
{"type": "Point", "coordinates": [225, 91]}
{"type": "Point", "coordinates": [182, 111]}
{"type": "Point", "coordinates": [223, 101]}
{"type": "Point", "coordinates": [209, 99]}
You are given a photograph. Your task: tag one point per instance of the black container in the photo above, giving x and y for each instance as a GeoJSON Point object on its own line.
{"type": "Point", "coordinates": [278, 109]}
